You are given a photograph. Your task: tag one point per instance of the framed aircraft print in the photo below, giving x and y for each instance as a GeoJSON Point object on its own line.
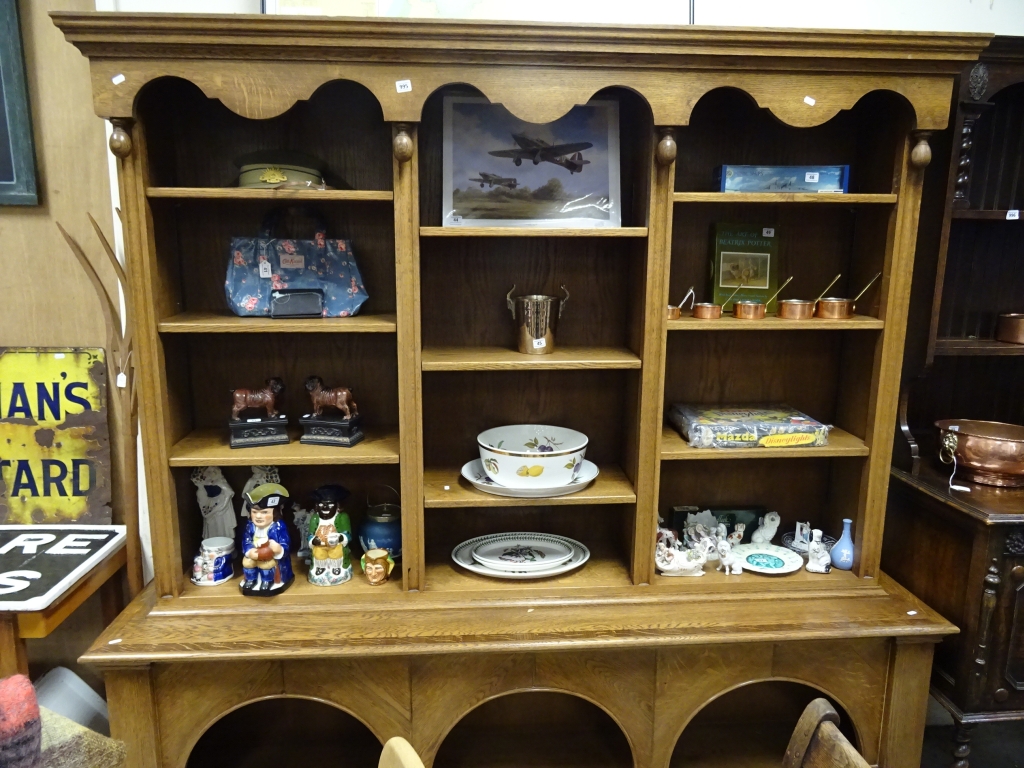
{"type": "Point", "coordinates": [500, 171]}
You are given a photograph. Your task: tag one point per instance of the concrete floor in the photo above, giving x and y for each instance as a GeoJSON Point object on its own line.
{"type": "Point", "coordinates": [993, 745]}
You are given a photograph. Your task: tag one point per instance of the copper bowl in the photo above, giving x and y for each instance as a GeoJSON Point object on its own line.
{"type": "Point", "coordinates": [835, 309]}
{"type": "Point", "coordinates": [707, 311]}
{"type": "Point", "coordinates": [748, 310]}
{"type": "Point", "coordinates": [1010, 328]}
{"type": "Point", "coordinates": [795, 309]}
{"type": "Point", "coordinates": [987, 452]}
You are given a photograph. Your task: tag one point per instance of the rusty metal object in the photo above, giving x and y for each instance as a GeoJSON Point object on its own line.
{"type": "Point", "coordinates": [987, 452]}
{"type": "Point", "coordinates": [1010, 328]}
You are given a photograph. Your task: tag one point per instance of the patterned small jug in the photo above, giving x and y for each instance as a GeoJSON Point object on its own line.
{"type": "Point", "coordinates": [842, 550]}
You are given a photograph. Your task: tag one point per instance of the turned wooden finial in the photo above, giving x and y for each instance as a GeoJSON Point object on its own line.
{"type": "Point", "coordinates": [402, 144]}
{"type": "Point", "coordinates": [921, 154]}
{"type": "Point", "coordinates": [666, 152]}
{"type": "Point", "coordinates": [120, 139]}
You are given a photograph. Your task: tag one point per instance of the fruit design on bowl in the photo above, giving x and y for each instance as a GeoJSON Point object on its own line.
{"type": "Point", "coordinates": [532, 455]}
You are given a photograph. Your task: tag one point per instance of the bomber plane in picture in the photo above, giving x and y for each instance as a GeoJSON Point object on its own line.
{"type": "Point", "coordinates": [493, 179]}
{"type": "Point", "coordinates": [569, 156]}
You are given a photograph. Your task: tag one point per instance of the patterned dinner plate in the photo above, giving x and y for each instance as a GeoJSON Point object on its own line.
{"type": "Point", "coordinates": [473, 471]}
{"type": "Point", "coordinates": [463, 555]}
{"type": "Point", "coordinates": [524, 552]}
{"type": "Point", "coordinates": [768, 558]}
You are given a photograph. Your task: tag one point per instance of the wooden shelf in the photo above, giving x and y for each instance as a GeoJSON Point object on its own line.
{"type": "Point", "coordinates": [840, 443]}
{"type": "Point", "coordinates": [773, 323]}
{"type": "Point", "coordinates": [601, 570]}
{"type": "Point", "coordinates": [988, 347]}
{"type": "Point", "coordinates": [209, 447]}
{"type": "Point", "coordinates": [224, 322]}
{"type": "Point", "coordinates": [502, 359]}
{"type": "Point", "coordinates": [234, 193]}
{"type": "Point", "coordinates": [782, 197]}
{"type": "Point", "coordinates": [533, 232]}
{"type": "Point", "coordinates": [446, 488]}
{"type": "Point", "coordinates": [227, 595]}
{"type": "Point", "coordinates": [973, 213]}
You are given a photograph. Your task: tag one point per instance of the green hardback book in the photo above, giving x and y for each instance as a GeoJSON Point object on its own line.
{"type": "Point", "coordinates": [747, 255]}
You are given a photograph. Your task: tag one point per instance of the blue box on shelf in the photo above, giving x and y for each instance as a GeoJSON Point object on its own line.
{"type": "Point", "coordinates": [783, 178]}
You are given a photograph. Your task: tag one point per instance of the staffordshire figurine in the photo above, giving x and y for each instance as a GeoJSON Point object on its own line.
{"type": "Point", "coordinates": [266, 562]}
{"type": "Point", "coordinates": [214, 496]}
{"type": "Point", "coordinates": [330, 532]}
{"type": "Point", "coordinates": [766, 530]}
{"type": "Point", "coordinates": [818, 558]}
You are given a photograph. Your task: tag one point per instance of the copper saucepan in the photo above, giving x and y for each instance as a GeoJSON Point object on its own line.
{"type": "Point", "coordinates": [675, 311]}
{"type": "Point", "coordinates": [801, 309]}
{"type": "Point", "coordinates": [706, 311]}
{"type": "Point", "coordinates": [754, 310]}
{"type": "Point", "coordinates": [1010, 328]}
{"type": "Point", "coordinates": [840, 309]}
{"type": "Point", "coordinates": [987, 452]}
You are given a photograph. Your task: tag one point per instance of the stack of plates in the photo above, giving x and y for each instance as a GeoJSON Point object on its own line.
{"type": "Point", "coordinates": [474, 472]}
{"type": "Point", "coordinates": [520, 555]}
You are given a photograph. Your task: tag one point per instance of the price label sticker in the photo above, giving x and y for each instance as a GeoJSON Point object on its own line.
{"type": "Point", "coordinates": [809, 101]}
{"type": "Point", "coordinates": [768, 232]}
{"type": "Point", "coordinates": [539, 343]}
{"type": "Point", "coordinates": [811, 177]}
{"type": "Point", "coordinates": [1013, 215]}
{"type": "Point", "coordinates": [266, 270]}
{"type": "Point", "coordinates": [456, 219]}
{"type": "Point", "coordinates": [122, 380]}
{"type": "Point", "coordinates": [403, 86]}
{"type": "Point", "coordinates": [118, 79]}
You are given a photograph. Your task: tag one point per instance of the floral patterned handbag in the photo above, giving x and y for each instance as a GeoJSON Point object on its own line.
{"type": "Point", "coordinates": [260, 267]}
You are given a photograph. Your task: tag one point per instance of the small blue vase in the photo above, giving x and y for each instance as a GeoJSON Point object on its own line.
{"type": "Point", "coordinates": [842, 550]}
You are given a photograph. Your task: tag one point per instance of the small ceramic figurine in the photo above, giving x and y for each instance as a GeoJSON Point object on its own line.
{"type": "Point", "coordinates": [300, 516]}
{"type": "Point", "coordinates": [340, 426]}
{"type": "Point", "coordinates": [264, 430]}
{"type": "Point", "coordinates": [212, 565]}
{"type": "Point", "coordinates": [818, 558]}
{"type": "Point", "coordinates": [767, 528]}
{"type": "Point", "coordinates": [689, 562]}
{"type": "Point", "coordinates": [377, 566]}
{"type": "Point", "coordinates": [330, 532]}
{"type": "Point", "coordinates": [214, 496]}
{"type": "Point", "coordinates": [802, 536]}
{"type": "Point", "coordinates": [266, 565]}
{"type": "Point", "coordinates": [736, 537]}
{"type": "Point", "coordinates": [728, 560]}
{"type": "Point", "coordinates": [842, 550]}
{"type": "Point", "coordinates": [260, 474]}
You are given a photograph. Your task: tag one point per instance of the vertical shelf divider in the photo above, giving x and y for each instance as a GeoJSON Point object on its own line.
{"type": "Point", "coordinates": [647, 467]}
{"type": "Point", "coordinates": [901, 238]}
{"type": "Point", "coordinates": [410, 376]}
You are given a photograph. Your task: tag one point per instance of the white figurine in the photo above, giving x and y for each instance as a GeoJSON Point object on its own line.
{"type": "Point", "coordinates": [689, 562]}
{"type": "Point", "coordinates": [766, 530]}
{"type": "Point", "coordinates": [214, 496]}
{"type": "Point", "coordinates": [728, 560]}
{"type": "Point", "coordinates": [802, 536]}
{"type": "Point", "coordinates": [818, 558]}
{"type": "Point", "coordinates": [260, 476]}
{"type": "Point", "coordinates": [736, 537]}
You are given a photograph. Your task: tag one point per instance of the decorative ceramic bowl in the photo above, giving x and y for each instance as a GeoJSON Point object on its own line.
{"type": "Point", "coordinates": [532, 455]}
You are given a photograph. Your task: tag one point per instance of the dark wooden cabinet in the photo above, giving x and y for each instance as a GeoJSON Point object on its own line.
{"type": "Point", "coordinates": [963, 554]}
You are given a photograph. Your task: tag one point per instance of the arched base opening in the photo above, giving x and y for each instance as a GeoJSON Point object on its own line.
{"type": "Point", "coordinates": [535, 729]}
{"type": "Point", "coordinates": [285, 731]}
{"type": "Point", "coordinates": [749, 726]}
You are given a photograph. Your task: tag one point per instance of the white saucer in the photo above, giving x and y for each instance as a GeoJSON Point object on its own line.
{"type": "Point", "coordinates": [473, 471]}
{"type": "Point", "coordinates": [768, 558]}
{"type": "Point", "coordinates": [463, 555]}
{"type": "Point", "coordinates": [525, 553]}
